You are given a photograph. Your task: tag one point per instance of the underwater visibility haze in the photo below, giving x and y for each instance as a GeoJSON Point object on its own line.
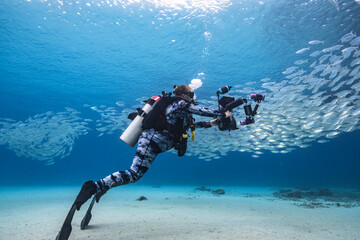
{"type": "Point", "coordinates": [71, 72]}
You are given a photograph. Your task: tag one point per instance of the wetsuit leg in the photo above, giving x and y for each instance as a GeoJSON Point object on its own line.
{"type": "Point", "coordinates": [150, 144]}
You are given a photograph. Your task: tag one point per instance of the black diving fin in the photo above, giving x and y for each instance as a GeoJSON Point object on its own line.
{"type": "Point", "coordinates": [87, 190]}
{"type": "Point", "coordinates": [85, 221]}
{"type": "Point", "coordinates": [66, 227]}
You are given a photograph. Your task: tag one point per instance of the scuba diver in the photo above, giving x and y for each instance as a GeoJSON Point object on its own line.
{"type": "Point", "coordinates": [155, 139]}
{"type": "Point", "coordinates": [161, 125]}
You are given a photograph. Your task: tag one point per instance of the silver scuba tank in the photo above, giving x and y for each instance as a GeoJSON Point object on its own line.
{"type": "Point", "coordinates": [134, 130]}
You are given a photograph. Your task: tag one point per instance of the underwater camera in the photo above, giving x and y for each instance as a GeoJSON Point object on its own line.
{"type": "Point", "coordinates": [227, 103]}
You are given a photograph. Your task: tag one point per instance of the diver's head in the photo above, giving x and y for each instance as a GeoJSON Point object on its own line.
{"type": "Point", "coordinates": [185, 92]}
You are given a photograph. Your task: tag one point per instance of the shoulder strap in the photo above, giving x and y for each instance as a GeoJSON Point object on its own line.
{"type": "Point", "coordinates": [156, 118]}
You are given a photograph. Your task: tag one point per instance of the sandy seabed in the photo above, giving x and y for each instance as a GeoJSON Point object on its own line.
{"type": "Point", "coordinates": [172, 212]}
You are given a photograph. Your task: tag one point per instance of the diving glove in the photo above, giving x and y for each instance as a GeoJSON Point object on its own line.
{"type": "Point", "coordinates": [87, 190]}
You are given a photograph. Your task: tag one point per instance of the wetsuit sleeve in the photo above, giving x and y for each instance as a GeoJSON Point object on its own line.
{"type": "Point", "coordinates": [207, 112]}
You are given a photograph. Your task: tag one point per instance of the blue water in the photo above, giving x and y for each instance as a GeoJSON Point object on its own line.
{"type": "Point", "coordinates": [58, 54]}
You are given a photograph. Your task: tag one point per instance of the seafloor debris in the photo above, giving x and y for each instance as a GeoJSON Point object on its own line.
{"type": "Point", "coordinates": [218, 191]}
{"type": "Point", "coordinates": [297, 193]}
{"type": "Point", "coordinates": [141, 198]}
{"type": "Point", "coordinates": [288, 193]}
{"type": "Point", "coordinates": [324, 192]}
{"type": "Point", "coordinates": [320, 198]}
{"type": "Point", "coordinates": [312, 205]}
{"type": "Point", "coordinates": [203, 189]}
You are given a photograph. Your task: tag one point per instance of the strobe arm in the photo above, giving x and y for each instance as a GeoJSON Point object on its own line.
{"type": "Point", "coordinates": [255, 109]}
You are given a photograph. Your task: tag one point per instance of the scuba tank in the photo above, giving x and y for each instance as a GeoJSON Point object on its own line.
{"type": "Point", "coordinates": [134, 130]}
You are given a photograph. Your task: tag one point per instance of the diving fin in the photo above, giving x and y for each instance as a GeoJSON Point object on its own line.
{"type": "Point", "coordinates": [87, 190]}
{"type": "Point", "coordinates": [85, 221]}
{"type": "Point", "coordinates": [66, 227]}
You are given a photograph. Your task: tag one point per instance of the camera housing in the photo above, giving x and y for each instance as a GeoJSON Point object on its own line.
{"type": "Point", "coordinates": [227, 103]}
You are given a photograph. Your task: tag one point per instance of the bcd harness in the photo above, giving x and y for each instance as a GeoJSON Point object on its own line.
{"type": "Point", "coordinates": [156, 119]}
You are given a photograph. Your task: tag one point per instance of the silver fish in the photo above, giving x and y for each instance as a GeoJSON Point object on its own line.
{"type": "Point", "coordinates": [356, 87]}
{"type": "Point", "coordinates": [324, 57]}
{"type": "Point", "coordinates": [337, 87]}
{"type": "Point", "coordinates": [289, 70]}
{"type": "Point", "coordinates": [356, 53]}
{"type": "Point", "coordinates": [350, 81]}
{"type": "Point", "coordinates": [332, 134]}
{"type": "Point", "coordinates": [299, 62]}
{"type": "Point", "coordinates": [326, 71]}
{"type": "Point", "coordinates": [334, 58]}
{"type": "Point", "coordinates": [315, 54]}
{"type": "Point", "coordinates": [333, 48]}
{"type": "Point", "coordinates": [354, 62]}
{"type": "Point", "coordinates": [347, 51]}
{"type": "Point", "coordinates": [313, 64]}
{"type": "Point", "coordinates": [338, 62]}
{"type": "Point", "coordinates": [354, 71]}
{"type": "Point", "coordinates": [265, 79]}
{"type": "Point", "coordinates": [343, 93]}
{"type": "Point", "coordinates": [313, 42]}
{"type": "Point", "coordinates": [333, 74]}
{"type": "Point", "coordinates": [356, 112]}
{"type": "Point", "coordinates": [302, 50]}
{"type": "Point", "coordinates": [319, 68]}
{"type": "Point", "coordinates": [298, 73]}
{"type": "Point", "coordinates": [355, 41]}
{"type": "Point", "coordinates": [347, 37]}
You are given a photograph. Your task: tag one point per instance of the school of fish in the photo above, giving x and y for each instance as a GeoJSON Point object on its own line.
{"type": "Point", "coordinates": [317, 100]}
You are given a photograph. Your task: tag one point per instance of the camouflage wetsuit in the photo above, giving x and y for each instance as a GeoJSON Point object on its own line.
{"type": "Point", "coordinates": [152, 142]}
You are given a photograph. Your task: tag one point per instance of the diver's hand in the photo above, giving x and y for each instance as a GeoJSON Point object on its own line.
{"type": "Point", "coordinates": [228, 114]}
